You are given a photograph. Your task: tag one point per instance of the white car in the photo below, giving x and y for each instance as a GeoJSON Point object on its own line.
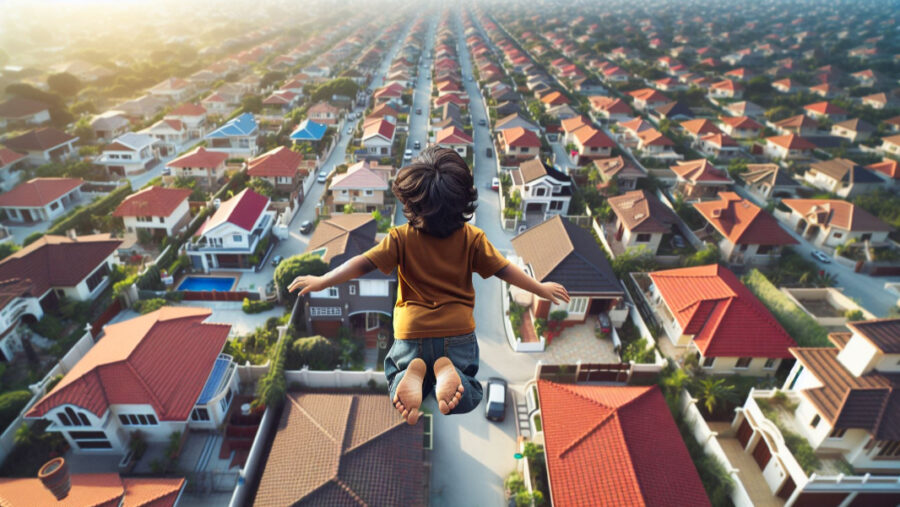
{"type": "Point", "coordinates": [821, 257]}
{"type": "Point", "coordinates": [323, 175]}
{"type": "Point", "coordinates": [349, 130]}
{"type": "Point", "coordinates": [407, 154]}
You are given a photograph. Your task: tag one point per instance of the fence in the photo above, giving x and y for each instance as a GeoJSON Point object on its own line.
{"type": "Point", "coordinates": [214, 295]}
{"type": "Point", "coordinates": [335, 379]}
{"type": "Point", "coordinates": [8, 437]}
{"type": "Point", "coordinates": [516, 344]}
{"type": "Point", "coordinates": [111, 311]}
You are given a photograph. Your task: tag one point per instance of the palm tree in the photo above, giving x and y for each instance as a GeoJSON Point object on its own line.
{"type": "Point", "coordinates": [713, 392]}
{"type": "Point", "coordinates": [678, 380]}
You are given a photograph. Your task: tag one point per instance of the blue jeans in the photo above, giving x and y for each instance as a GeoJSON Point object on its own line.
{"type": "Point", "coordinates": [461, 350]}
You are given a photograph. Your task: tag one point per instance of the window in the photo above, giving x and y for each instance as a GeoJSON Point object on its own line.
{"type": "Point", "coordinates": [577, 305]}
{"type": "Point", "coordinates": [324, 311]}
{"type": "Point", "coordinates": [64, 420]}
{"type": "Point", "coordinates": [372, 321]}
{"type": "Point", "coordinates": [151, 419]}
{"type": "Point", "coordinates": [708, 362]}
{"type": "Point", "coordinates": [556, 205]}
{"type": "Point", "coordinates": [73, 417]}
{"type": "Point", "coordinates": [54, 205]}
{"type": "Point", "coordinates": [540, 191]}
{"type": "Point", "coordinates": [94, 280]}
{"type": "Point", "coordinates": [93, 444]}
{"type": "Point", "coordinates": [743, 362]}
{"type": "Point", "coordinates": [237, 238]}
{"type": "Point", "coordinates": [133, 419]}
{"type": "Point", "coordinates": [123, 419]}
{"type": "Point", "coordinates": [87, 434]}
{"type": "Point", "coordinates": [143, 419]}
{"type": "Point", "coordinates": [643, 238]}
{"type": "Point", "coordinates": [369, 193]}
{"type": "Point", "coordinates": [524, 149]}
{"type": "Point", "coordinates": [837, 433]}
{"type": "Point", "coordinates": [373, 288]}
{"type": "Point", "coordinates": [144, 219]}
{"type": "Point", "coordinates": [162, 220]}
{"type": "Point", "coordinates": [330, 292]}
{"type": "Point", "coordinates": [764, 249]}
{"type": "Point", "coordinates": [865, 237]}
{"type": "Point", "coordinates": [838, 235]}
{"type": "Point", "coordinates": [200, 414]}
{"type": "Point", "coordinates": [815, 421]}
{"type": "Point", "coordinates": [343, 192]}
{"type": "Point", "coordinates": [889, 448]}
{"type": "Point", "coordinates": [770, 363]}
{"type": "Point", "coordinates": [352, 289]}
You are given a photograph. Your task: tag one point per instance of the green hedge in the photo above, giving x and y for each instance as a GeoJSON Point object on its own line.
{"type": "Point", "coordinates": [250, 306]}
{"type": "Point", "coordinates": [11, 403]}
{"type": "Point", "coordinates": [803, 328]}
{"type": "Point", "coordinates": [81, 219]}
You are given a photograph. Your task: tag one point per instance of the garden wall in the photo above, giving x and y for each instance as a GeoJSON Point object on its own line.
{"type": "Point", "coordinates": [335, 379]}
{"type": "Point", "coordinates": [239, 497]}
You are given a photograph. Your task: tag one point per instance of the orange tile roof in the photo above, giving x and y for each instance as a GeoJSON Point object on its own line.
{"type": "Point", "coordinates": [593, 138]}
{"type": "Point", "coordinates": [700, 126]}
{"type": "Point", "coordinates": [743, 222]}
{"type": "Point", "coordinates": [888, 167]}
{"type": "Point", "coordinates": [152, 201]}
{"type": "Point", "coordinates": [649, 95]}
{"type": "Point", "coordinates": [93, 490]}
{"type": "Point", "coordinates": [825, 107]}
{"type": "Point", "coordinates": [161, 359]}
{"type": "Point", "coordinates": [721, 140]}
{"type": "Point", "coordinates": [8, 157]}
{"type": "Point", "coordinates": [653, 137]}
{"type": "Point", "coordinates": [836, 213]}
{"type": "Point", "coordinates": [201, 158]}
{"type": "Point", "coordinates": [791, 142]}
{"type": "Point", "coordinates": [610, 453]}
{"type": "Point", "coordinates": [610, 104]}
{"type": "Point", "coordinates": [726, 319]}
{"type": "Point", "coordinates": [700, 171]}
{"type": "Point", "coordinates": [798, 121]}
{"type": "Point", "coordinates": [519, 136]}
{"type": "Point", "coordinates": [452, 135]}
{"type": "Point", "coordinates": [574, 123]}
{"type": "Point", "coordinates": [38, 192]}
{"type": "Point", "coordinates": [279, 162]}
{"type": "Point", "coordinates": [741, 122]}
{"type": "Point", "coordinates": [554, 98]}
{"type": "Point", "coordinates": [187, 110]}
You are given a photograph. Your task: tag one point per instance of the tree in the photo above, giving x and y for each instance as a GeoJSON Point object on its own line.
{"type": "Point", "coordinates": [317, 352]}
{"type": "Point", "coordinates": [64, 84]}
{"type": "Point", "coordinates": [292, 267]}
{"type": "Point", "coordinates": [270, 78]}
{"type": "Point", "coordinates": [8, 248]}
{"type": "Point", "coordinates": [713, 392]}
{"type": "Point", "coordinates": [339, 86]}
{"type": "Point", "coordinates": [709, 255]}
{"type": "Point", "coordinates": [261, 187]}
{"type": "Point", "coordinates": [348, 209]}
{"type": "Point", "coordinates": [252, 104]}
{"type": "Point", "coordinates": [11, 403]}
{"type": "Point", "coordinates": [634, 260]}
{"type": "Point", "coordinates": [84, 131]}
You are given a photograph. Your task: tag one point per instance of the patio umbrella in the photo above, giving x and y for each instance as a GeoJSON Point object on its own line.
{"type": "Point", "coordinates": [521, 297]}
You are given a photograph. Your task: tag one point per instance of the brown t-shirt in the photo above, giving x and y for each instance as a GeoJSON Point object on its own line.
{"type": "Point", "coordinates": [435, 296]}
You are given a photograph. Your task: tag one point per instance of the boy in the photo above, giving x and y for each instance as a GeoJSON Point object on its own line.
{"type": "Point", "coordinates": [435, 255]}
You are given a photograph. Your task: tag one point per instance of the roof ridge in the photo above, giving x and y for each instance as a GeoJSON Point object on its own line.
{"type": "Point", "coordinates": [583, 436]}
{"type": "Point", "coordinates": [140, 378]}
{"type": "Point", "coordinates": [313, 421]}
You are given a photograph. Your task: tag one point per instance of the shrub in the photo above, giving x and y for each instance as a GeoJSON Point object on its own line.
{"type": "Point", "coordinates": [31, 238]}
{"type": "Point", "coordinates": [315, 351]}
{"type": "Point", "coordinates": [292, 267]}
{"type": "Point", "coordinates": [11, 403]}
{"type": "Point", "coordinates": [803, 328]}
{"type": "Point", "coordinates": [145, 306]}
{"type": "Point", "coordinates": [49, 327]}
{"type": "Point", "coordinates": [271, 388]}
{"type": "Point", "coordinates": [853, 315]}
{"type": "Point", "coordinates": [638, 351]}
{"type": "Point", "coordinates": [250, 306]}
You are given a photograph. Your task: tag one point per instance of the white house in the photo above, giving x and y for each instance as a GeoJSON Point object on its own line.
{"type": "Point", "coordinates": [173, 89]}
{"type": "Point", "coordinates": [238, 137]}
{"type": "Point", "coordinates": [157, 209]}
{"type": "Point", "coordinates": [455, 138]}
{"type": "Point", "coordinates": [378, 137]}
{"type": "Point", "coordinates": [230, 237]}
{"type": "Point", "coordinates": [130, 154]}
{"type": "Point", "coordinates": [18, 112]}
{"type": "Point", "coordinates": [170, 133]}
{"type": "Point", "coordinates": [544, 189]}
{"type": "Point", "coordinates": [40, 199]}
{"type": "Point", "coordinates": [158, 373]}
{"type": "Point", "coordinates": [43, 145]}
{"type": "Point", "coordinates": [831, 222]}
{"type": "Point", "coordinates": [193, 117]}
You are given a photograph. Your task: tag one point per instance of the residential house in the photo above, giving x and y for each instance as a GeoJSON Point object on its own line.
{"type": "Point", "coordinates": [611, 453]}
{"type": "Point", "coordinates": [613, 110]}
{"type": "Point", "coordinates": [786, 147]}
{"type": "Point", "coordinates": [515, 120]}
{"type": "Point", "coordinates": [700, 179]}
{"type": "Point", "coordinates": [455, 138]}
{"type": "Point", "coordinates": [855, 130]}
{"type": "Point", "coordinates": [769, 181]}
{"type": "Point", "coordinates": [219, 103]}
{"type": "Point", "coordinates": [877, 100]}
{"type": "Point", "coordinates": [842, 177]}
{"type": "Point", "coordinates": [109, 125]}
{"type": "Point", "coordinates": [378, 138]}
{"type": "Point", "coordinates": [143, 107]}
{"type": "Point", "coordinates": [388, 112]}
{"type": "Point", "coordinates": [708, 311]}
{"type": "Point", "coordinates": [741, 127]}
{"type": "Point", "coordinates": [324, 113]}
{"type": "Point", "coordinates": [648, 98]}
{"type": "Point", "coordinates": [889, 144]}
{"type": "Point", "coordinates": [887, 169]}
{"type": "Point", "coordinates": [726, 89]}
{"type": "Point", "coordinates": [840, 404]}
{"type": "Point", "coordinates": [745, 108]}
{"type": "Point", "coordinates": [642, 221]}
{"type": "Point", "coordinates": [560, 251]}
{"type": "Point", "coordinates": [619, 169]}
{"type": "Point", "coordinates": [673, 111]}
{"type": "Point", "coordinates": [41, 199]}
{"type": "Point", "coordinates": [390, 93]}
{"type": "Point", "coordinates": [750, 235]}
{"type": "Point", "coordinates": [361, 187]}
{"type": "Point", "coordinates": [173, 89]}
{"type": "Point", "coordinates": [159, 373]}
{"type": "Point", "coordinates": [280, 102]}
{"type": "Point", "coordinates": [284, 169]}
{"type": "Point", "coordinates": [719, 146]}
{"type": "Point", "coordinates": [10, 161]}
{"type": "Point", "coordinates": [823, 110]}
{"type": "Point", "coordinates": [307, 466]}
{"type": "Point", "coordinates": [205, 166]}
{"type": "Point", "coordinates": [237, 138]}
{"type": "Point", "coordinates": [130, 154]}
{"type": "Point", "coordinates": [832, 222]}
{"type": "Point", "coordinates": [361, 303]}
{"type": "Point", "coordinates": [308, 131]}
{"type": "Point", "coordinates": [37, 277]}
{"type": "Point", "coordinates": [652, 143]}
{"type": "Point", "coordinates": [699, 128]}
{"type": "Point", "coordinates": [170, 134]}
{"type": "Point", "coordinates": [544, 189]}
{"type": "Point", "coordinates": [158, 210]}
{"type": "Point", "coordinates": [787, 86]}
{"type": "Point", "coordinates": [801, 124]}
{"type": "Point", "coordinates": [18, 112]}
{"type": "Point", "coordinates": [519, 142]}
{"type": "Point", "coordinates": [230, 238]}
{"type": "Point", "coordinates": [43, 145]}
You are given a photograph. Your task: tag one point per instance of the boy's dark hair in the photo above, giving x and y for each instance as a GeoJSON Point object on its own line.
{"type": "Point", "coordinates": [437, 191]}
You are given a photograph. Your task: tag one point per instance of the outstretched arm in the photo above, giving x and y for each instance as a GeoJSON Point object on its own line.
{"type": "Point", "coordinates": [548, 290]}
{"type": "Point", "coordinates": [353, 268]}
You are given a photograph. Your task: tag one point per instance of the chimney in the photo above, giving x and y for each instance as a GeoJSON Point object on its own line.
{"type": "Point", "coordinates": [55, 477]}
{"type": "Point", "coordinates": [72, 234]}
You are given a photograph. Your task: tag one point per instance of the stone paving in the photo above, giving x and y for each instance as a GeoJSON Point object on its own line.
{"type": "Point", "coordinates": [579, 343]}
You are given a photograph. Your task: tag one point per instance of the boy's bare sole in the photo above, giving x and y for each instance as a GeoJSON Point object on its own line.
{"type": "Point", "coordinates": [408, 397]}
{"type": "Point", "coordinates": [449, 387]}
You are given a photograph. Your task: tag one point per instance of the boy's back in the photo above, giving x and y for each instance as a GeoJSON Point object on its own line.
{"type": "Point", "coordinates": [435, 296]}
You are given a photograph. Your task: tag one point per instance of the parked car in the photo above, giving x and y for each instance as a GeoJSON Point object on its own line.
{"type": "Point", "coordinates": [167, 171]}
{"type": "Point", "coordinates": [495, 183]}
{"type": "Point", "coordinates": [495, 403]}
{"type": "Point", "coordinates": [821, 257]}
{"type": "Point", "coordinates": [470, 78]}
{"type": "Point", "coordinates": [323, 175]}
{"type": "Point", "coordinates": [306, 227]}
{"type": "Point", "coordinates": [417, 144]}
{"type": "Point", "coordinates": [418, 110]}
{"type": "Point", "coordinates": [482, 122]}
{"type": "Point", "coordinates": [488, 152]}
{"type": "Point", "coordinates": [349, 130]}
{"type": "Point", "coordinates": [277, 260]}
{"type": "Point", "coordinates": [407, 154]}
{"type": "Point", "coordinates": [603, 323]}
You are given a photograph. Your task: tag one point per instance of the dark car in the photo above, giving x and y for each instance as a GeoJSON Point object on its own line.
{"type": "Point", "coordinates": [488, 153]}
{"type": "Point", "coordinates": [418, 110]}
{"type": "Point", "coordinates": [417, 145]}
{"type": "Point", "coordinates": [277, 260]}
{"type": "Point", "coordinates": [603, 323]}
{"type": "Point", "coordinates": [306, 227]}
{"type": "Point", "coordinates": [482, 122]}
{"type": "Point", "coordinates": [495, 399]}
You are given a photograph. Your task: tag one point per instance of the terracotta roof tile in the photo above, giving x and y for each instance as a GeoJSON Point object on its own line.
{"type": "Point", "coordinates": [201, 158]}
{"type": "Point", "coordinates": [610, 454]}
{"type": "Point", "coordinates": [92, 490]}
{"type": "Point", "coordinates": [791, 142]}
{"type": "Point", "coordinates": [836, 213]}
{"type": "Point", "coordinates": [39, 140]}
{"type": "Point", "coordinates": [883, 333]}
{"type": "Point", "coordinates": [452, 135]}
{"type": "Point", "coordinates": [188, 110]}
{"type": "Point", "coordinates": [8, 156]}
{"type": "Point", "coordinates": [38, 192]}
{"type": "Point", "coordinates": [152, 201]}
{"type": "Point", "coordinates": [700, 171]}
{"type": "Point", "coordinates": [641, 211]}
{"type": "Point", "coordinates": [279, 162]}
{"type": "Point", "coordinates": [743, 222]}
{"type": "Point", "coordinates": [242, 210]}
{"type": "Point", "coordinates": [700, 126]}
{"type": "Point", "coordinates": [520, 137]}
{"type": "Point", "coordinates": [18, 107]}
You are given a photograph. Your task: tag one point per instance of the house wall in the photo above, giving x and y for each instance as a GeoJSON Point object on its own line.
{"type": "Point", "coordinates": [859, 356]}
{"type": "Point", "coordinates": [378, 146]}
{"type": "Point", "coordinates": [529, 152]}
{"type": "Point", "coordinates": [168, 223]}
{"type": "Point", "coordinates": [629, 239]}
{"type": "Point", "coordinates": [341, 198]}
{"type": "Point", "coordinates": [80, 291]}
{"type": "Point", "coordinates": [727, 366]}
{"type": "Point", "coordinates": [158, 433]}
{"type": "Point", "coordinates": [208, 177]}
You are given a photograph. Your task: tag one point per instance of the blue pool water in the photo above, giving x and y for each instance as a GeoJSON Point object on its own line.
{"type": "Point", "coordinates": [219, 283]}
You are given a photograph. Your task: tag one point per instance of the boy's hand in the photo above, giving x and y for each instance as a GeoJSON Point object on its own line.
{"type": "Point", "coordinates": [554, 292]}
{"type": "Point", "coordinates": [309, 283]}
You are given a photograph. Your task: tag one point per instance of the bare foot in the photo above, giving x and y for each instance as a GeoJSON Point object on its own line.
{"type": "Point", "coordinates": [449, 388]}
{"type": "Point", "coordinates": [408, 397]}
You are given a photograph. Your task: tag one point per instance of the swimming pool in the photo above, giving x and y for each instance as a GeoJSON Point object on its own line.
{"type": "Point", "coordinates": [219, 283]}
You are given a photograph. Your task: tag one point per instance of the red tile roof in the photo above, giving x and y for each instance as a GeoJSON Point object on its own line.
{"type": "Point", "coordinates": [825, 107]}
{"type": "Point", "coordinates": [593, 138]}
{"type": "Point", "coordinates": [700, 171]}
{"type": "Point", "coordinates": [8, 157]}
{"type": "Point", "coordinates": [887, 167]}
{"type": "Point", "coordinates": [162, 359]}
{"type": "Point", "coordinates": [741, 122]}
{"type": "Point", "coordinates": [519, 136]}
{"type": "Point", "coordinates": [152, 201]}
{"type": "Point", "coordinates": [700, 126]}
{"type": "Point", "coordinates": [201, 157]}
{"type": "Point", "coordinates": [743, 222]}
{"type": "Point", "coordinates": [188, 110]}
{"type": "Point", "coordinates": [836, 213]}
{"type": "Point", "coordinates": [382, 128]}
{"type": "Point", "coordinates": [39, 140]}
{"type": "Point", "coordinates": [93, 490]}
{"type": "Point", "coordinates": [726, 319]}
{"type": "Point", "coordinates": [649, 95]}
{"type": "Point", "coordinates": [280, 162]}
{"type": "Point", "coordinates": [38, 192]}
{"type": "Point", "coordinates": [791, 142]}
{"type": "Point", "coordinates": [611, 105]}
{"type": "Point", "coordinates": [242, 210]}
{"type": "Point", "coordinates": [622, 447]}
{"type": "Point", "coordinates": [452, 135]}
